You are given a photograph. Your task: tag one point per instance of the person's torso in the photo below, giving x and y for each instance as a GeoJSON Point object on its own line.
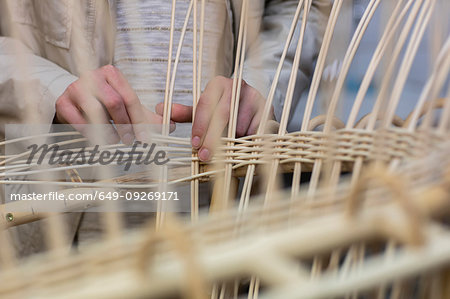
{"type": "Point", "coordinates": [143, 40]}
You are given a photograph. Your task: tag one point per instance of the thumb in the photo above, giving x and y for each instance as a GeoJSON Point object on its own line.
{"type": "Point", "coordinates": [157, 119]}
{"type": "Point", "coordinates": [180, 113]}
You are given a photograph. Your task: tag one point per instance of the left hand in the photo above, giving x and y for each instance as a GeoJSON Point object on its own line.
{"type": "Point", "coordinates": [213, 112]}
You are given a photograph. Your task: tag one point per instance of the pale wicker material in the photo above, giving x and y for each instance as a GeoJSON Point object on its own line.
{"type": "Point", "coordinates": [271, 242]}
{"type": "Point", "coordinates": [311, 241]}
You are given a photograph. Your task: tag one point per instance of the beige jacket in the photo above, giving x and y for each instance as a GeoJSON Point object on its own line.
{"type": "Point", "coordinates": [43, 43]}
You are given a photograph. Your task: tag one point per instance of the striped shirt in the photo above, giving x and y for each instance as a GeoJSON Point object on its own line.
{"type": "Point", "coordinates": [142, 46]}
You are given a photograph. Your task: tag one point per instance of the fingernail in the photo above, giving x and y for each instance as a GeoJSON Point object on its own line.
{"type": "Point", "coordinates": [127, 138]}
{"type": "Point", "coordinates": [204, 154]}
{"type": "Point", "coordinates": [195, 141]}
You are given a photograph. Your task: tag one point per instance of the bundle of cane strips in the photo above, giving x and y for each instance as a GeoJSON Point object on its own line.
{"type": "Point", "coordinates": [379, 231]}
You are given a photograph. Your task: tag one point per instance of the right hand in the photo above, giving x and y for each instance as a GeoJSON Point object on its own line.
{"type": "Point", "coordinates": [100, 96]}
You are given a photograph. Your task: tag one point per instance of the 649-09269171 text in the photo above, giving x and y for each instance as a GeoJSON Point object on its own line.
{"type": "Point", "coordinates": [97, 195]}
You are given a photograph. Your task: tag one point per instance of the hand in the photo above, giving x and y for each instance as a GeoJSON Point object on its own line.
{"type": "Point", "coordinates": [100, 96]}
{"type": "Point", "coordinates": [213, 112]}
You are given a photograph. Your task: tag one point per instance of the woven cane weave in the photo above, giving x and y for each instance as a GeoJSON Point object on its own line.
{"type": "Point", "coordinates": [370, 221]}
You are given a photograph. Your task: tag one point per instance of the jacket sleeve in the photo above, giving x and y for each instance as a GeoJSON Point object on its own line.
{"type": "Point", "coordinates": [265, 51]}
{"type": "Point", "coordinates": [29, 84]}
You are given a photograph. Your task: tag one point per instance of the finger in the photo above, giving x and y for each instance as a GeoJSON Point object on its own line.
{"type": "Point", "coordinates": [130, 99]}
{"type": "Point", "coordinates": [251, 107]}
{"type": "Point", "coordinates": [80, 96]}
{"type": "Point", "coordinates": [254, 124]}
{"type": "Point", "coordinates": [76, 120]}
{"type": "Point", "coordinates": [159, 108]}
{"type": "Point", "coordinates": [271, 125]}
{"type": "Point", "coordinates": [205, 108]}
{"type": "Point", "coordinates": [158, 119]}
{"type": "Point", "coordinates": [216, 127]}
{"type": "Point", "coordinates": [180, 113]}
{"type": "Point", "coordinates": [68, 113]}
{"type": "Point", "coordinates": [247, 110]}
{"type": "Point", "coordinates": [93, 111]}
{"type": "Point", "coordinates": [115, 106]}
